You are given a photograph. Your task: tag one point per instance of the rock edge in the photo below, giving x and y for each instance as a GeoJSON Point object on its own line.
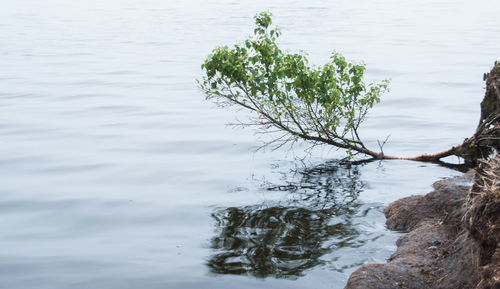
{"type": "Point", "coordinates": [452, 239]}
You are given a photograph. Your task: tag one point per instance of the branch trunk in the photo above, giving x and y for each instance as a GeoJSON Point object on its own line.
{"type": "Point", "coordinates": [486, 139]}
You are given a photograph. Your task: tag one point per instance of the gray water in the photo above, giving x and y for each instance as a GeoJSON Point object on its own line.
{"type": "Point", "coordinates": [115, 173]}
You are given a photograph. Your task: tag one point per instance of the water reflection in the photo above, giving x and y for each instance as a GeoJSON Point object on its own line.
{"type": "Point", "coordinates": [285, 238]}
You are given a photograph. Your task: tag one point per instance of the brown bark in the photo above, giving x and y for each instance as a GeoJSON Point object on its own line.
{"type": "Point", "coordinates": [485, 140]}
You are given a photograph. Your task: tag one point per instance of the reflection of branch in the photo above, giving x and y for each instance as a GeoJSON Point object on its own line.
{"type": "Point", "coordinates": [457, 167]}
{"type": "Point", "coordinates": [284, 239]}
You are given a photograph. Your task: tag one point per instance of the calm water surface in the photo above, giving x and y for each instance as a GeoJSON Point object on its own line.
{"type": "Point", "coordinates": [116, 173]}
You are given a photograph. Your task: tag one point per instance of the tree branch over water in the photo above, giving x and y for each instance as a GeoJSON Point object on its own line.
{"type": "Point", "coordinates": [320, 104]}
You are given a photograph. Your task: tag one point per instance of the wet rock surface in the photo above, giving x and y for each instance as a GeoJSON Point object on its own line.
{"type": "Point", "coordinates": [436, 251]}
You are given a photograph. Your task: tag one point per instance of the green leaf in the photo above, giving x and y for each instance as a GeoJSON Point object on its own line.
{"type": "Point", "coordinates": [288, 89]}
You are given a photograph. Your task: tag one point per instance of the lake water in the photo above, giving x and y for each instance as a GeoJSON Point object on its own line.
{"type": "Point", "coordinates": [115, 173]}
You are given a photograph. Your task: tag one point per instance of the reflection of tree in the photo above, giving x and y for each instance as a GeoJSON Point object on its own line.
{"type": "Point", "coordinates": [284, 239]}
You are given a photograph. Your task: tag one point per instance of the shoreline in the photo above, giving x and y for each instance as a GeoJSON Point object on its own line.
{"type": "Point", "coordinates": [440, 248]}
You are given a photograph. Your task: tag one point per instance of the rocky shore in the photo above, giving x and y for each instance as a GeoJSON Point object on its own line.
{"type": "Point", "coordinates": [452, 234]}
{"type": "Point", "coordinates": [452, 237]}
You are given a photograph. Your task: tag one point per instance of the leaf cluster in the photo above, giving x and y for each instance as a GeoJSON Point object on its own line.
{"type": "Point", "coordinates": [321, 104]}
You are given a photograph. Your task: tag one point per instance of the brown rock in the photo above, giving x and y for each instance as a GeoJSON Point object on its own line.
{"type": "Point", "coordinates": [453, 238]}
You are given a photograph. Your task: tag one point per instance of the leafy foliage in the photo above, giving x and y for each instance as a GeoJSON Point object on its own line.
{"type": "Point", "coordinates": [321, 104]}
